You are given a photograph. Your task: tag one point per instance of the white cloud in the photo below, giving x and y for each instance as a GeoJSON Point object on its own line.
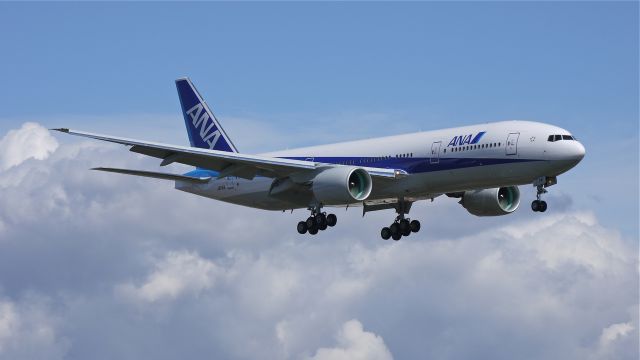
{"type": "Point", "coordinates": [355, 344]}
{"type": "Point", "coordinates": [613, 332]}
{"type": "Point", "coordinates": [29, 331]}
{"type": "Point", "coordinates": [31, 141]}
{"type": "Point", "coordinates": [178, 273]}
{"type": "Point", "coordinates": [242, 284]}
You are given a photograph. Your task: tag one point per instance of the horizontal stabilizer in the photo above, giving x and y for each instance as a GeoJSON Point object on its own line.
{"type": "Point", "coordinates": [156, 175]}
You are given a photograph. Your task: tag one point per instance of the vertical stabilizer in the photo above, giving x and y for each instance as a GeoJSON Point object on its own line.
{"type": "Point", "coordinates": [202, 126]}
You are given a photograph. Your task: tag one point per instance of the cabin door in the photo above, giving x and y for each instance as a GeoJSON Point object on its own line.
{"type": "Point", "coordinates": [435, 152]}
{"type": "Point", "coordinates": [512, 144]}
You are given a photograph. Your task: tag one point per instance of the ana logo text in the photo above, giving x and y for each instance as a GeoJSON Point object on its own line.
{"type": "Point", "coordinates": [200, 119]}
{"type": "Point", "coordinates": [466, 139]}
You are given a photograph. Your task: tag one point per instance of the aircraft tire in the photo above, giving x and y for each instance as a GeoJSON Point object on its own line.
{"type": "Point", "coordinates": [311, 222]}
{"type": "Point", "coordinates": [543, 206]}
{"type": "Point", "coordinates": [302, 227]}
{"type": "Point", "coordinates": [535, 205]}
{"type": "Point", "coordinates": [396, 236]}
{"type": "Point", "coordinates": [385, 233]}
{"type": "Point", "coordinates": [321, 221]}
{"type": "Point", "coordinates": [332, 220]}
{"type": "Point", "coordinates": [404, 226]}
{"type": "Point", "coordinates": [395, 229]}
{"type": "Point", "coordinates": [415, 226]}
{"type": "Point", "coordinates": [313, 230]}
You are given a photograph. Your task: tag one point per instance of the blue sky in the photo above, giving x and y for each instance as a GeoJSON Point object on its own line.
{"type": "Point", "coordinates": [568, 63]}
{"type": "Point", "coordinates": [129, 268]}
{"type": "Point", "coordinates": [298, 66]}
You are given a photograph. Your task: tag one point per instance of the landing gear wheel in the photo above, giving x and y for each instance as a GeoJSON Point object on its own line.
{"type": "Point", "coordinates": [543, 206]}
{"type": "Point", "coordinates": [321, 219]}
{"type": "Point", "coordinates": [318, 221]}
{"type": "Point", "coordinates": [541, 184]}
{"type": "Point", "coordinates": [311, 222]}
{"type": "Point", "coordinates": [415, 226]}
{"type": "Point", "coordinates": [332, 220]}
{"type": "Point", "coordinates": [395, 229]}
{"type": "Point", "coordinates": [396, 236]}
{"type": "Point", "coordinates": [535, 205]}
{"type": "Point", "coordinates": [302, 227]}
{"type": "Point", "coordinates": [385, 233]}
{"type": "Point", "coordinates": [404, 226]}
{"type": "Point", "coordinates": [407, 231]}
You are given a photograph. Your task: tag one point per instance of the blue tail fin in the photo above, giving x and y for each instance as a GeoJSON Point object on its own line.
{"type": "Point", "coordinates": [203, 128]}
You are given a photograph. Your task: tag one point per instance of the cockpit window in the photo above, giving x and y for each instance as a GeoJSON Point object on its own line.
{"type": "Point", "coordinates": [553, 138]}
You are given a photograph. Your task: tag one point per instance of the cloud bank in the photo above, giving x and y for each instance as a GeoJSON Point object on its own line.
{"type": "Point", "coordinates": [30, 141]}
{"type": "Point", "coordinates": [97, 265]}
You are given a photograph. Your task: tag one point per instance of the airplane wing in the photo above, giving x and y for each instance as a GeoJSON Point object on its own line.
{"type": "Point", "coordinates": [226, 163]}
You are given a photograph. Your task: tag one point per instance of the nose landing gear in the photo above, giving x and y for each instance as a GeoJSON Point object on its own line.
{"type": "Point", "coordinates": [539, 205]}
{"type": "Point", "coordinates": [318, 221]}
{"type": "Point", "coordinates": [541, 183]}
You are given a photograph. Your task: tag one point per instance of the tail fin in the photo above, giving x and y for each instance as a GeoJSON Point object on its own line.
{"type": "Point", "coordinates": [202, 126]}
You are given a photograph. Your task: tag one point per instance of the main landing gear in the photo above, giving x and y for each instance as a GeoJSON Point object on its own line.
{"type": "Point", "coordinates": [541, 183]}
{"type": "Point", "coordinates": [401, 227]}
{"type": "Point", "coordinates": [318, 221]}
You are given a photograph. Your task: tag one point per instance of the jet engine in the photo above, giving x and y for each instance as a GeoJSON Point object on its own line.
{"type": "Point", "coordinates": [342, 185]}
{"type": "Point", "coordinates": [491, 202]}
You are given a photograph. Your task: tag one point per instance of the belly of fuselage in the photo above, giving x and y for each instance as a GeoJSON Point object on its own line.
{"type": "Point", "coordinates": [256, 193]}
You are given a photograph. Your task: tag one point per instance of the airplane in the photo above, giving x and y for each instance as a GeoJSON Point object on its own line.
{"type": "Point", "coordinates": [481, 165]}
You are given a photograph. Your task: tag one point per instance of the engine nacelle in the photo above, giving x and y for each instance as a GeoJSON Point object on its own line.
{"type": "Point", "coordinates": [491, 202]}
{"type": "Point", "coordinates": [342, 185]}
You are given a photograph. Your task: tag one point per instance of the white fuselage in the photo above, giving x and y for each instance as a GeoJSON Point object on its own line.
{"type": "Point", "coordinates": [436, 162]}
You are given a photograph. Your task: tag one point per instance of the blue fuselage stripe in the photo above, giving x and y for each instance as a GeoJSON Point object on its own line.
{"type": "Point", "coordinates": [414, 165]}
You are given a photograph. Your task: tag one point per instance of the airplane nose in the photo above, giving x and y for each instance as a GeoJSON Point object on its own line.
{"type": "Point", "coordinates": [577, 152]}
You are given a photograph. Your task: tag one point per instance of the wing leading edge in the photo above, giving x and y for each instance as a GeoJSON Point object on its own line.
{"type": "Point", "coordinates": [226, 163]}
